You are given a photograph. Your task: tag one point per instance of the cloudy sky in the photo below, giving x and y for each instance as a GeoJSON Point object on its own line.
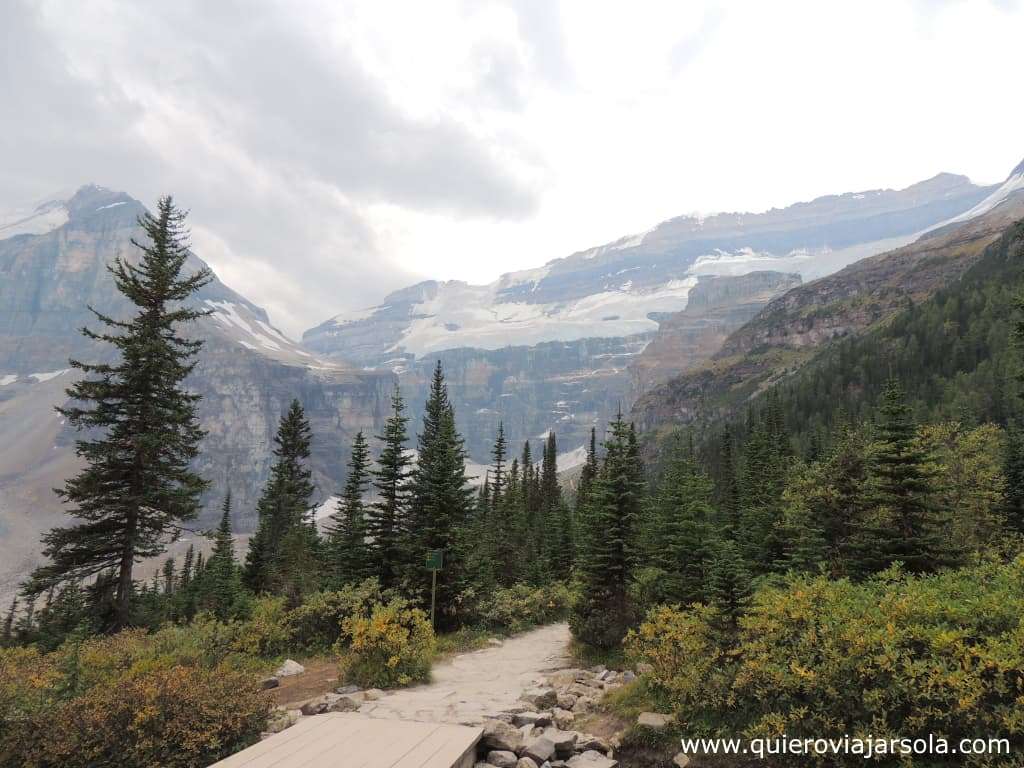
{"type": "Point", "coordinates": [332, 151]}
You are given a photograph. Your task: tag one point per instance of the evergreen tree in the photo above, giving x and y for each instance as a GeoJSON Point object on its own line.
{"type": "Point", "coordinates": [906, 524]}
{"type": "Point", "coordinates": [498, 466]}
{"type": "Point", "coordinates": [220, 578]}
{"type": "Point", "coordinates": [348, 548]}
{"type": "Point", "coordinates": [142, 433]}
{"type": "Point", "coordinates": [729, 584]}
{"type": "Point", "coordinates": [441, 498]}
{"type": "Point", "coordinates": [387, 518]}
{"type": "Point", "coordinates": [169, 580]}
{"type": "Point", "coordinates": [603, 612]}
{"type": "Point", "coordinates": [7, 636]}
{"type": "Point", "coordinates": [730, 490]}
{"type": "Point", "coordinates": [187, 567]}
{"type": "Point", "coordinates": [282, 552]}
{"type": "Point", "coordinates": [1013, 470]}
{"type": "Point", "coordinates": [679, 531]}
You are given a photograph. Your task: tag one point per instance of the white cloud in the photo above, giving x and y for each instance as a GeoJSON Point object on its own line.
{"type": "Point", "coordinates": [330, 152]}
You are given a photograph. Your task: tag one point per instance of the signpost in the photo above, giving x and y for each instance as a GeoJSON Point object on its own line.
{"type": "Point", "coordinates": [435, 560]}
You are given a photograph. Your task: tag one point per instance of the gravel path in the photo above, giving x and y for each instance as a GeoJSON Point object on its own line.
{"type": "Point", "coordinates": [476, 684]}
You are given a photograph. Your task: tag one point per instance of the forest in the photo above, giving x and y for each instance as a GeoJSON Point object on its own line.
{"type": "Point", "coordinates": [845, 558]}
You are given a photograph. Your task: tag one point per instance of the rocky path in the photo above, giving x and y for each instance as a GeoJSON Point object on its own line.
{"type": "Point", "coordinates": [474, 685]}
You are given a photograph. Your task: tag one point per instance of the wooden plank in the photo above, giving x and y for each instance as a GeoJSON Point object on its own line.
{"type": "Point", "coordinates": [350, 740]}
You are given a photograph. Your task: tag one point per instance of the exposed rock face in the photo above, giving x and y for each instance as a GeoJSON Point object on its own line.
{"type": "Point", "coordinates": [717, 307]}
{"type": "Point", "coordinates": [551, 348]}
{"type": "Point", "coordinates": [793, 327]}
{"type": "Point", "coordinates": [247, 373]}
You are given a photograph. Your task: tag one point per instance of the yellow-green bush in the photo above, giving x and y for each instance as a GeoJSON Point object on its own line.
{"type": "Point", "coordinates": [895, 656]}
{"type": "Point", "coordinates": [521, 606]}
{"type": "Point", "coordinates": [268, 632]}
{"type": "Point", "coordinates": [125, 701]}
{"type": "Point", "coordinates": [316, 623]}
{"type": "Point", "coordinates": [392, 646]}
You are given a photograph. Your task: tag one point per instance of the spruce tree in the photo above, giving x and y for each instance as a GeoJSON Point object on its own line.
{"type": "Point", "coordinates": [907, 525]}
{"type": "Point", "coordinates": [282, 552]}
{"type": "Point", "coordinates": [387, 518]}
{"type": "Point", "coordinates": [603, 613]}
{"type": "Point", "coordinates": [498, 466]}
{"type": "Point", "coordinates": [441, 498]}
{"type": "Point", "coordinates": [679, 531]}
{"type": "Point", "coordinates": [220, 577]}
{"type": "Point", "coordinates": [729, 584]}
{"type": "Point", "coordinates": [185, 578]}
{"type": "Point", "coordinates": [142, 434]}
{"type": "Point", "coordinates": [347, 545]}
{"type": "Point", "coordinates": [7, 637]}
{"type": "Point", "coordinates": [1013, 471]}
{"type": "Point", "coordinates": [169, 579]}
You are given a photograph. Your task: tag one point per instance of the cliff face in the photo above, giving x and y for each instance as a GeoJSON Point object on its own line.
{"type": "Point", "coordinates": [793, 327]}
{"type": "Point", "coordinates": [51, 271]}
{"type": "Point", "coordinates": [717, 307]}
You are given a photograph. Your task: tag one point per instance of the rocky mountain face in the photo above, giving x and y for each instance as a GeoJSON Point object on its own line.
{"type": "Point", "coordinates": [51, 270]}
{"type": "Point", "coordinates": [565, 345]}
{"type": "Point", "coordinates": [791, 329]}
{"type": "Point", "coordinates": [717, 307]}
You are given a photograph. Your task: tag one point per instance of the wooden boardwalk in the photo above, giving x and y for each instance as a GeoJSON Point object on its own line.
{"type": "Point", "coordinates": [349, 740]}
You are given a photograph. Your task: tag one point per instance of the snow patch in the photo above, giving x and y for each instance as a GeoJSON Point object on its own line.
{"type": "Point", "coordinates": [112, 205]}
{"type": "Point", "coordinates": [41, 377]}
{"type": "Point", "coordinates": [8, 378]}
{"type": "Point", "coordinates": [1011, 185]}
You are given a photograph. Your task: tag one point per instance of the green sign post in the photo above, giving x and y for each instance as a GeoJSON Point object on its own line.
{"type": "Point", "coordinates": [435, 561]}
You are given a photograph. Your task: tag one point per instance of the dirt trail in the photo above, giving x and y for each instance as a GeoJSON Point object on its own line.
{"type": "Point", "coordinates": [480, 683]}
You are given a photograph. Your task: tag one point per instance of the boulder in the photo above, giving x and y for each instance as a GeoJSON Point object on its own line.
{"type": "Point", "coordinates": [345, 704]}
{"type": "Point", "coordinates": [586, 742]}
{"type": "Point", "coordinates": [541, 698]}
{"type": "Point", "coordinates": [289, 668]}
{"type": "Point", "coordinates": [628, 676]}
{"type": "Point", "coordinates": [346, 689]}
{"type": "Point", "coordinates": [681, 760]}
{"type": "Point", "coordinates": [579, 689]}
{"type": "Point", "coordinates": [373, 694]}
{"type": "Point", "coordinates": [280, 719]}
{"type": "Point", "coordinates": [502, 758]}
{"type": "Point", "coordinates": [591, 759]}
{"type": "Point", "coordinates": [525, 762]}
{"type": "Point", "coordinates": [566, 677]}
{"type": "Point", "coordinates": [501, 736]}
{"type": "Point", "coordinates": [566, 700]}
{"type": "Point", "coordinates": [653, 720]}
{"type": "Point", "coordinates": [563, 741]}
{"type": "Point", "coordinates": [269, 682]}
{"type": "Point", "coordinates": [540, 750]}
{"type": "Point", "coordinates": [531, 718]}
{"type": "Point", "coordinates": [316, 706]}
{"type": "Point", "coordinates": [562, 718]}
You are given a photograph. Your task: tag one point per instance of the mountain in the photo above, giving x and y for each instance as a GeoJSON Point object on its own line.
{"type": "Point", "coordinates": [564, 346]}
{"type": "Point", "coordinates": [52, 267]}
{"type": "Point", "coordinates": [792, 330]}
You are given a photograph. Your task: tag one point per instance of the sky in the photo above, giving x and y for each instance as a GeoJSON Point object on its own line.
{"type": "Point", "coordinates": [330, 152]}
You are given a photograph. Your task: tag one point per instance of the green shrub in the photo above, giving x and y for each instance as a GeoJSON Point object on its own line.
{"type": "Point", "coordinates": [392, 646]}
{"type": "Point", "coordinates": [268, 632]}
{"type": "Point", "coordinates": [126, 700]}
{"type": "Point", "coordinates": [520, 607]}
{"type": "Point", "coordinates": [316, 623]}
{"type": "Point", "coordinates": [895, 656]}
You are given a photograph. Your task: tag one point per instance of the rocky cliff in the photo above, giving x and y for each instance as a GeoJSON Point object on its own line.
{"type": "Point", "coordinates": [791, 329]}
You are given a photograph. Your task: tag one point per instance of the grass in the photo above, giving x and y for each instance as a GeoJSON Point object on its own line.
{"type": "Point", "coordinates": [462, 641]}
{"type": "Point", "coordinates": [589, 656]}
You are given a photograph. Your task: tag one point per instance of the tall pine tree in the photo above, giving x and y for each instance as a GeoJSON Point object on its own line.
{"type": "Point", "coordinates": [348, 550]}
{"type": "Point", "coordinates": [441, 499]}
{"type": "Point", "coordinates": [282, 552]}
{"type": "Point", "coordinates": [136, 487]}
{"type": "Point", "coordinates": [387, 518]}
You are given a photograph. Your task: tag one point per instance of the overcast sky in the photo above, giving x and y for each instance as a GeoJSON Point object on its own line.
{"type": "Point", "coordinates": [332, 151]}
